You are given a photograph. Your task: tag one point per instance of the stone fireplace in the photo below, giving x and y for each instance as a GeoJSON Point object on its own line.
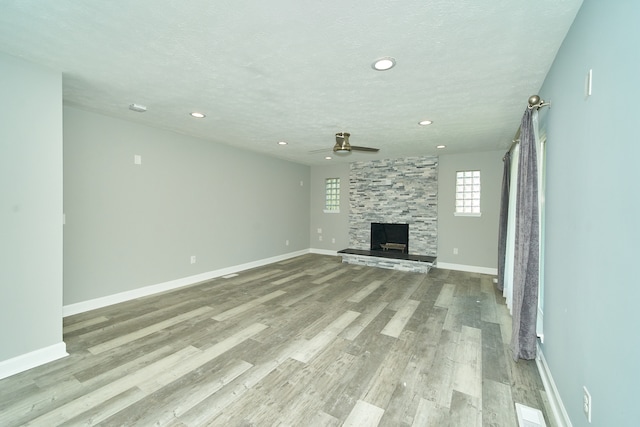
{"type": "Point", "coordinates": [395, 191]}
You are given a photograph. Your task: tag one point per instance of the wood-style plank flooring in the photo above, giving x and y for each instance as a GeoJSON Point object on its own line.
{"type": "Point", "coordinates": [304, 342]}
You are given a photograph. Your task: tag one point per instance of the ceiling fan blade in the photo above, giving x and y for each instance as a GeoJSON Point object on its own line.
{"type": "Point", "coordinates": [369, 149]}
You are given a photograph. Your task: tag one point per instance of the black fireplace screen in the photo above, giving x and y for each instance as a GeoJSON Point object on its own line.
{"type": "Point", "coordinates": [389, 237]}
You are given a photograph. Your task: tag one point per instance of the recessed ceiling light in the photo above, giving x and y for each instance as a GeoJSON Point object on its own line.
{"type": "Point", "coordinates": [384, 64]}
{"type": "Point", "coordinates": [328, 158]}
{"type": "Point", "coordinates": [425, 122]}
{"type": "Point", "coordinates": [440, 146]}
{"type": "Point", "coordinates": [282, 143]}
{"type": "Point", "coordinates": [198, 115]}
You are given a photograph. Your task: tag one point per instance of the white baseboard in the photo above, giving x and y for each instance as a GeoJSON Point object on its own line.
{"type": "Point", "coordinates": [81, 307]}
{"type": "Point", "coordinates": [32, 359]}
{"type": "Point", "coordinates": [323, 252]}
{"type": "Point", "coordinates": [467, 268]}
{"type": "Point", "coordinates": [558, 410]}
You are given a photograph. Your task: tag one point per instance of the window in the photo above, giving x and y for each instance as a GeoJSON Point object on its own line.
{"type": "Point", "coordinates": [332, 195]}
{"type": "Point", "coordinates": [468, 193]}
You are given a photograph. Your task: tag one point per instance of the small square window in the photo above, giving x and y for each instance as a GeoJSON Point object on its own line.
{"type": "Point", "coordinates": [468, 193]}
{"type": "Point", "coordinates": [332, 195]}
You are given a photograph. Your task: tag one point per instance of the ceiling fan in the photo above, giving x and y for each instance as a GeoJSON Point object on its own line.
{"type": "Point", "coordinates": [343, 147]}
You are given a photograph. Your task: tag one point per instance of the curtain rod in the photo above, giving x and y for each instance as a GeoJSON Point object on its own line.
{"type": "Point", "coordinates": [534, 102]}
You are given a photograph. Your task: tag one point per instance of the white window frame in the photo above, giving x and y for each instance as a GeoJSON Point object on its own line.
{"type": "Point", "coordinates": [468, 193]}
{"type": "Point", "coordinates": [332, 195]}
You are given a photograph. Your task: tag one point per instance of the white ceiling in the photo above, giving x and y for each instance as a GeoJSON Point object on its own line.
{"type": "Point", "coordinates": [300, 71]}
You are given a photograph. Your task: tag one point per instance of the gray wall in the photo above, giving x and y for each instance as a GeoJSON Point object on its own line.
{"type": "Point", "coordinates": [130, 226]}
{"type": "Point", "coordinates": [31, 208]}
{"type": "Point", "coordinates": [476, 238]}
{"type": "Point", "coordinates": [333, 225]}
{"type": "Point", "coordinates": [592, 231]}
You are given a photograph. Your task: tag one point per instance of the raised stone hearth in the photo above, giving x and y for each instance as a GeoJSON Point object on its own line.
{"type": "Point", "coordinates": [388, 259]}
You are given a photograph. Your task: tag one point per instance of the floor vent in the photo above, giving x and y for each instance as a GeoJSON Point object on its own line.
{"type": "Point", "coordinates": [529, 417]}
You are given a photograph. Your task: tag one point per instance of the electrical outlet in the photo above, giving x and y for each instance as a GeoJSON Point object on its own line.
{"type": "Point", "coordinates": [286, 242]}
{"type": "Point", "coordinates": [586, 404]}
{"type": "Point", "coordinates": [333, 240]}
{"type": "Point", "coordinates": [193, 259]}
{"type": "Point", "coordinates": [320, 238]}
{"type": "Point", "coordinates": [455, 251]}
{"type": "Point", "coordinates": [137, 159]}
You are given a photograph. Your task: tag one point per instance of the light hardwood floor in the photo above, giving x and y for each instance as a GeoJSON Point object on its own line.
{"type": "Point", "coordinates": [304, 342]}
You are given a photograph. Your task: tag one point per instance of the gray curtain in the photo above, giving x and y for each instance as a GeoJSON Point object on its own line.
{"type": "Point", "coordinates": [526, 253]}
{"type": "Point", "coordinates": [504, 216]}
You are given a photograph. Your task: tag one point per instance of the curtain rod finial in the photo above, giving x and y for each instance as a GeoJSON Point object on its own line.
{"type": "Point", "coordinates": [536, 102]}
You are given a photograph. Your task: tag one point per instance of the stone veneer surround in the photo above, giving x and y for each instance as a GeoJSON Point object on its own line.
{"type": "Point", "coordinates": [403, 191]}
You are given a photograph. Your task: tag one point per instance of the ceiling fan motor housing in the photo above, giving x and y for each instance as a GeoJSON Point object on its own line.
{"type": "Point", "coordinates": [342, 143]}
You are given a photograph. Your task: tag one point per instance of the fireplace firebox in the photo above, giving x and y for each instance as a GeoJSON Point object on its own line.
{"type": "Point", "coordinates": [389, 237]}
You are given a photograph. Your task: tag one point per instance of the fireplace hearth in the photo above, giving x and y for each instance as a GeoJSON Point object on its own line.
{"type": "Point", "coordinates": [389, 249]}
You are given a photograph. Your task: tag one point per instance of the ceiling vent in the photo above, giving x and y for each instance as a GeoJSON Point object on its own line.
{"type": "Point", "coordinates": [137, 108]}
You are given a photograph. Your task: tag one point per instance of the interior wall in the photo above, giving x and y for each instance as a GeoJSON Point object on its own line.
{"type": "Point", "coordinates": [31, 210]}
{"type": "Point", "coordinates": [329, 231]}
{"type": "Point", "coordinates": [129, 226]}
{"type": "Point", "coordinates": [475, 239]}
{"type": "Point", "coordinates": [592, 231]}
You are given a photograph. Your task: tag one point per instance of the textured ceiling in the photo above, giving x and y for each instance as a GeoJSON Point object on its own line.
{"type": "Point", "coordinates": [300, 71]}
